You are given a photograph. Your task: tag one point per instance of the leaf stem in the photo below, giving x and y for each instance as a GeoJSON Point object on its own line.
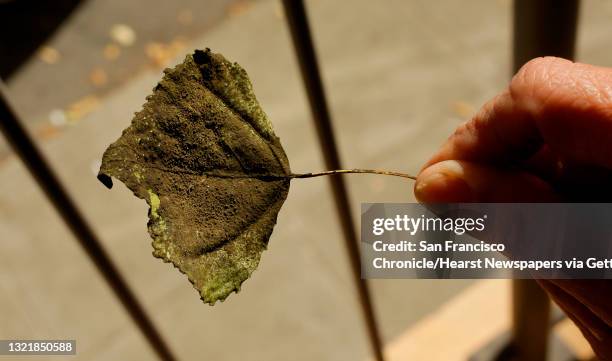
{"type": "Point", "coordinates": [348, 171]}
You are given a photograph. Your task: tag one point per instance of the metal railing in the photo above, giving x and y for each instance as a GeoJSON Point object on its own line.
{"type": "Point", "coordinates": [40, 169]}
{"type": "Point", "coordinates": [540, 27]}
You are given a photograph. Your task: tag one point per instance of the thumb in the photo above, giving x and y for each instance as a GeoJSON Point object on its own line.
{"type": "Point", "coordinates": [461, 181]}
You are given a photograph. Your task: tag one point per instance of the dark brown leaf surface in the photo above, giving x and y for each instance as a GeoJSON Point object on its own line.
{"type": "Point", "coordinates": [204, 156]}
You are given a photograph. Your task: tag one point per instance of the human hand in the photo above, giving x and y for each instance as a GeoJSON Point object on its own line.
{"type": "Point", "coordinates": [547, 138]}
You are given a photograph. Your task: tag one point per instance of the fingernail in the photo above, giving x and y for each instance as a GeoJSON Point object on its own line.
{"type": "Point", "coordinates": [443, 182]}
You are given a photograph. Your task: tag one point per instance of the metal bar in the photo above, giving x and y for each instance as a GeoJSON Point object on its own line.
{"type": "Point", "coordinates": [541, 27]}
{"type": "Point", "coordinates": [304, 48]}
{"type": "Point", "coordinates": [57, 195]}
{"type": "Point", "coordinates": [530, 321]}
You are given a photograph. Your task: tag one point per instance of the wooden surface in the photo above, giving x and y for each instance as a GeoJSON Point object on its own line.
{"type": "Point", "coordinates": [468, 322]}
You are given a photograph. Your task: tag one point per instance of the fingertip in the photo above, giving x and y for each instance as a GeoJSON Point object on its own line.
{"type": "Point", "coordinates": [453, 181]}
{"type": "Point", "coordinates": [443, 182]}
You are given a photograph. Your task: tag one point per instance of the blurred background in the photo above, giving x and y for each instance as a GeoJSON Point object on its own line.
{"type": "Point", "coordinates": [400, 76]}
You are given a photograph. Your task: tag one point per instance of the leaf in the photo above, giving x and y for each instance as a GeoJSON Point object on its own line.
{"type": "Point", "coordinates": [203, 154]}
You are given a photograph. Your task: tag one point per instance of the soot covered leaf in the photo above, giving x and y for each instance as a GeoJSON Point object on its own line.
{"type": "Point", "coordinates": [203, 154]}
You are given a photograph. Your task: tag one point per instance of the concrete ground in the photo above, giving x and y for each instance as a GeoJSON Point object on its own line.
{"type": "Point", "coordinates": [105, 44]}
{"type": "Point", "coordinates": [400, 76]}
